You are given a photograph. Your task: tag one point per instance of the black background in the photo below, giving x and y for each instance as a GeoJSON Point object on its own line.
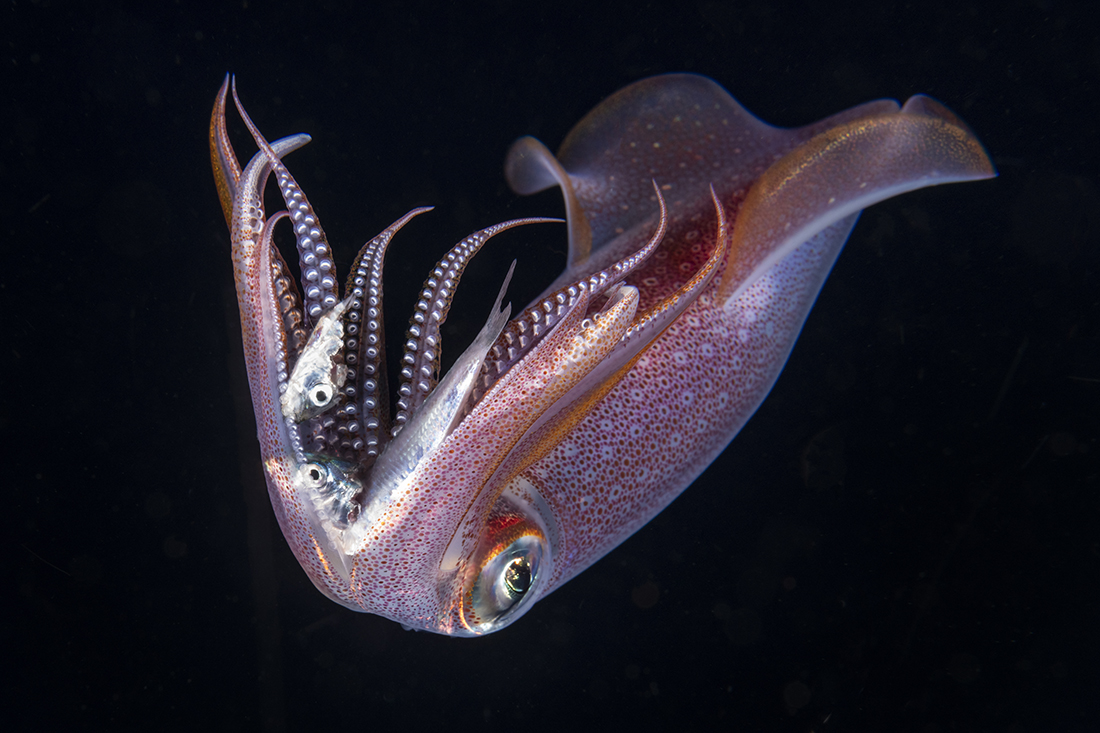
{"type": "Point", "coordinates": [903, 538]}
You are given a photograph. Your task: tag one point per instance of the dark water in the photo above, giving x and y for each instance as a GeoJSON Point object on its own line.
{"type": "Point", "coordinates": [904, 538]}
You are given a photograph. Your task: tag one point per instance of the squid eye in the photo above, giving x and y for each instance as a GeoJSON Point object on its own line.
{"type": "Point", "coordinates": [505, 581]}
{"type": "Point", "coordinates": [517, 577]}
{"type": "Point", "coordinates": [320, 395]}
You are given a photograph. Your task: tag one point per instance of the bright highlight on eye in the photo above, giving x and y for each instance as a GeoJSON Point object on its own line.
{"type": "Point", "coordinates": [506, 579]}
{"type": "Point", "coordinates": [320, 395]}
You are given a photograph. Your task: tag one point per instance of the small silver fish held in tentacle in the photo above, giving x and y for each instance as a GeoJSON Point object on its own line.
{"type": "Point", "coordinates": [318, 375]}
{"type": "Point", "coordinates": [335, 486]}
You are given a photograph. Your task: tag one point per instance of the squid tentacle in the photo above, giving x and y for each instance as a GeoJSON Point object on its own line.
{"type": "Point", "coordinates": [363, 415]}
{"type": "Point", "coordinates": [528, 329]}
{"type": "Point", "coordinates": [420, 362]}
{"type": "Point", "coordinates": [319, 278]}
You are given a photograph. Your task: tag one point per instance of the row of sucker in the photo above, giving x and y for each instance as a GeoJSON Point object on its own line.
{"type": "Point", "coordinates": [282, 353]}
{"type": "Point", "coordinates": [358, 425]}
{"type": "Point", "coordinates": [420, 362]}
{"type": "Point", "coordinates": [289, 303]}
{"type": "Point", "coordinates": [319, 278]}
{"type": "Point", "coordinates": [525, 331]}
{"type": "Point", "coordinates": [314, 254]}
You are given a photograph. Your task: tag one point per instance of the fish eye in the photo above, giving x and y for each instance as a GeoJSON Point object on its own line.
{"type": "Point", "coordinates": [334, 486]}
{"type": "Point", "coordinates": [314, 475]}
{"type": "Point", "coordinates": [504, 582]}
{"type": "Point", "coordinates": [320, 395]}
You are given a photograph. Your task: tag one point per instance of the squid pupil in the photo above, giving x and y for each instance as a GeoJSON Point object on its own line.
{"type": "Point", "coordinates": [315, 474]}
{"type": "Point", "coordinates": [517, 576]}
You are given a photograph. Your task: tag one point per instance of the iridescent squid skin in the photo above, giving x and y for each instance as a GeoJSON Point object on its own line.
{"type": "Point", "coordinates": [699, 238]}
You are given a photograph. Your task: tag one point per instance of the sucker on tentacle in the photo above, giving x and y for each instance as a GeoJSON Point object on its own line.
{"type": "Point", "coordinates": [420, 362]}
{"type": "Point", "coordinates": [339, 383]}
{"type": "Point", "coordinates": [361, 416]}
{"type": "Point", "coordinates": [525, 331]}
{"type": "Point", "coordinates": [319, 281]}
{"type": "Point", "coordinates": [650, 322]}
{"type": "Point", "coordinates": [644, 327]}
{"type": "Point", "coordinates": [290, 306]}
{"type": "Point", "coordinates": [438, 416]}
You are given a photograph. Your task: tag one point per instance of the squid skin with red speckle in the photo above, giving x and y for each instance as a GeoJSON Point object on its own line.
{"type": "Point", "coordinates": [699, 238]}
